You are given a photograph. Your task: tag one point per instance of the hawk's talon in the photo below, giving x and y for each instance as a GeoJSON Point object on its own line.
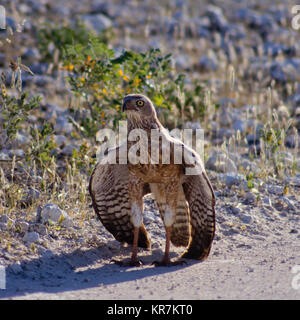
{"type": "Point", "coordinates": [168, 263]}
{"type": "Point", "coordinates": [130, 263]}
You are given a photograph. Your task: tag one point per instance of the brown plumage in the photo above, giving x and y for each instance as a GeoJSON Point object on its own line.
{"type": "Point", "coordinates": [185, 201]}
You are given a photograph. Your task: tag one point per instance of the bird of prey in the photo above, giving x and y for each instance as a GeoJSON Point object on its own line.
{"type": "Point", "coordinates": [181, 188]}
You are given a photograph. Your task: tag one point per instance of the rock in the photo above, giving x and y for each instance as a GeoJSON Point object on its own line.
{"type": "Point", "coordinates": [107, 8]}
{"type": "Point", "coordinates": [33, 194]}
{"type": "Point", "coordinates": [274, 189]}
{"type": "Point", "coordinates": [3, 226]}
{"type": "Point", "coordinates": [51, 212]}
{"type": "Point", "coordinates": [22, 225]}
{"type": "Point", "coordinates": [250, 197]}
{"type": "Point", "coordinates": [252, 139]}
{"type": "Point", "coordinates": [217, 19]}
{"type": "Point", "coordinates": [289, 203]}
{"type": "Point", "coordinates": [231, 179]}
{"type": "Point", "coordinates": [19, 141]}
{"type": "Point", "coordinates": [31, 237]}
{"type": "Point", "coordinates": [39, 228]}
{"type": "Point", "coordinates": [236, 211]}
{"type": "Point", "coordinates": [60, 140]}
{"type": "Point", "coordinates": [183, 62]}
{"type": "Point", "coordinates": [207, 64]}
{"type": "Point", "coordinates": [245, 218]}
{"type": "Point", "coordinates": [248, 165]}
{"type": "Point", "coordinates": [284, 71]}
{"type": "Point", "coordinates": [4, 155]}
{"type": "Point", "coordinates": [18, 153]}
{"type": "Point", "coordinates": [31, 55]}
{"type": "Point", "coordinates": [220, 162]}
{"type": "Point", "coordinates": [43, 81]}
{"type": "Point", "coordinates": [238, 124]}
{"type": "Point", "coordinates": [275, 49]}
{"type": "Point", "coordinates": [63, 125]}
{"type": "Point", "coordinates": [97, 22]}
{"type": "Point", "coordinates": [39, 68]}
{"type": "Point", "coordinates": [68, 150]}
{"type": "Point", "coordinates": [53, 111]}
{"type": "Point", "coordinates": [267, 201]}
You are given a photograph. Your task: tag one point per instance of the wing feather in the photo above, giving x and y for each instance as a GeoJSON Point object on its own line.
{"type": "Point", "coordinates": [109, 192]}
{"type": "Point", "coordinates": [201, 199]}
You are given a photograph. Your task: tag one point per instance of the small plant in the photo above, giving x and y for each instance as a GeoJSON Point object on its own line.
{"type": "Point", "coordinates": [100, 80]}
{"type": "Point", "coordinates": [53, 39]}
{"type": "Point", "coordinates": [272, 138]}
{"type": "Point", "coordinates": [42, 145]}
{"type": "Point", "coordinates": [250, 178]}
{"type": "Point", "coordinates": [14, 109]}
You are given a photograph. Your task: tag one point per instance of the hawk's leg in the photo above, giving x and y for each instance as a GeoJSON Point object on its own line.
{"type": "Point", "coordinates": [137, 206]}
{"type": "Point", "coordinates": [167, 195]}
{"type": "Point", "coordinates": [133, 262]}
{"type": "Point", "coordinates": [166, 262]}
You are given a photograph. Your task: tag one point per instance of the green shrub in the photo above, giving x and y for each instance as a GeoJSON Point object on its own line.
{"type": "Point", "coordinates": [100, 80]}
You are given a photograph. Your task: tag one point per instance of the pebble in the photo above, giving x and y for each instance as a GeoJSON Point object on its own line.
{"type": "Point", "coordinates": [239, 124]}
{"type": "Point", "coordinates": [18, 153]}
{"type": "Point", "coordinates": [231, 179]}
{"type": "Point", "coordinates": [39, 228]}
{"type": "Point", "coordinates": [220, 162]}
{"type": "Point", "coordinates": [68, 150]}
{"type": "Point", "coordinates": [31, 237]}
{"type": "Point", "coordinates": [206, 64]}
{"type": "Point", "coordinates": [23, 225]}
{"type": "Point", "coordinates": [250, 196]}
{"type": "Point", "coordinates": [278, 190]}
{"type": "Point", "coordinates": [63, 125]}
{"type": "Point", "coordinates": [96, 22]}
{"type": "Point", "coordinates": [51, 212]}
{"type": "Point", "coordinates": [4, 156]}
{"type": "Point", "coordinates": [218, 22]}
{"type": "Point", "coordinates": [245, 218]}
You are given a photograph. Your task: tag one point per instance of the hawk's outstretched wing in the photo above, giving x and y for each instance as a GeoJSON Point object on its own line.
{"type": "Point", "coordinates": [109, 191]}
{"type": "Point", "coordinates": [201, 199]}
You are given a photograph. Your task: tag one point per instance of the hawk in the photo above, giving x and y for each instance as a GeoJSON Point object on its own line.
{"type": "Point", "coordinates": [185, 200]}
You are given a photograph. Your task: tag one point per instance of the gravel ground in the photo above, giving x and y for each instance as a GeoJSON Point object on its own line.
{"type": "Point", "coordinates": [248, 261]}
{"type": "Point", "coordinates": [51, 253]}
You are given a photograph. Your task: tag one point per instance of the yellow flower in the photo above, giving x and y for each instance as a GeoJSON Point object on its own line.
{"type": "Point", "coordinates": [148, 76]}
{"type": "Point", "coordinates": [68, 67]}
{"type": "Point", "coordinates": [136, 81]}
{"type": "Point", "coordinates": [104, 91]}
{"type": "Point", "coordinates": [125, 78]}
{"type": "Point", "coordinates": [3, 88]}
{"type": "Point", "coordinates": [82, 80]}
{"type": "Point", "coordinates": [102, 115]}
{"type": "Point", "coordinates": [120, 72]}
{"type": "Point", "coordinates": [118, 107]}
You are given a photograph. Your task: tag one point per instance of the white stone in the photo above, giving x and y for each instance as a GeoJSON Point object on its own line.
{"type": "Point", "coordinates": [31, 237]}
{"type": "Point", "coordinates": [53, 213]}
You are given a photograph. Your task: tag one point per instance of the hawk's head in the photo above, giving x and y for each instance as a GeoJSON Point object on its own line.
{"type": "Point", "coordinates": [137, 106]}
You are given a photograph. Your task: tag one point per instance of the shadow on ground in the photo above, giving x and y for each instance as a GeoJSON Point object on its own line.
{"type": "Point", "coordinates": [80, 269]}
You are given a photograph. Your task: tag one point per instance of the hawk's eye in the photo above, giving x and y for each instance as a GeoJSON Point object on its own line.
{"type": "Point", "coordinates": [140, 103]}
